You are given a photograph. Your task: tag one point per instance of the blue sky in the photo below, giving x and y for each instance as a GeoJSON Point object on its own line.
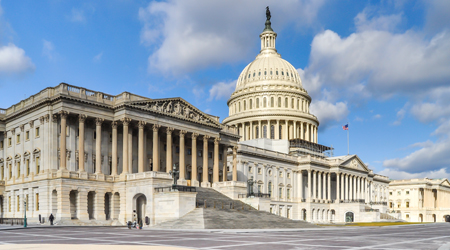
{"type": "Point", "coordinates": [383, 66]}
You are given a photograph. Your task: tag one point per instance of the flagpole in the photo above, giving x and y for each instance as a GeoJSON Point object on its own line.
{"type": "Point", "coordinates": [348, 139]}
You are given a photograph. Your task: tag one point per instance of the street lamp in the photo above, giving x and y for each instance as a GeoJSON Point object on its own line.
{"type": "Point", "coordinates": [25, 214]}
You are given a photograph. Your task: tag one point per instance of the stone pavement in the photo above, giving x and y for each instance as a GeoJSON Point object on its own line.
{"type": "Point", "coordinates": [420, 236]}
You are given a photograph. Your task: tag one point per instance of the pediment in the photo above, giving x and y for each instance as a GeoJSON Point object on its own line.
{"type": "Point", "coordinates": [36, 150]}
{"type": "Point", "coordinates": [17, 156]}
{"type": "Point", "coordinates": [27, 153]}
{"type": "Point", "coordinates": [176, 107]}
{"type": "Point", "coordinates": [355, 163]}
{"type": "Point", "coordinates": [445, 183]}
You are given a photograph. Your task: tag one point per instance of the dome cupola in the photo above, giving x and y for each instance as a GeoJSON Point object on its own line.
{"type": "Point", "coordinates": [269, 100]}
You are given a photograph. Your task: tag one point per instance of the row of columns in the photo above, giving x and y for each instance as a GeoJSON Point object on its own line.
{"type": "Point", "coordinates": [141, 160]}
{"type": "Point", "coordinates": [308, 132]}
{"type": "Point", "coordinates": [348, 187]}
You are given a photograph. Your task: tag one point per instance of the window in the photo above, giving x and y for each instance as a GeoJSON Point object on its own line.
{"type": "Point", "coordinates": [18, 169]}
{"type": "Point", "coordinates": [239, 106]}
{"type": "Point", "coordinates": [277, 72]}
{"type": "Point", "coordinates": [265, 131]}
{"type": "Point", "coordinates": [9, 142]}
{"type": "Point", "coordinates": [18, 139]}
{"type": "Point", "coordinates": [37, 132]}
{"type": "Point", "coordinates": [286, 102]}
{"type": "Point", "coordinates": [280, 193]}
{"type": "Point", "coordinates": [265, 102]}
{"type": "Point", "coordinates": [249, 169]}
{"type": "Point", "coordinates": [10, 171]}
{"type": "Point", "coordinates": [288, 193]}
{"type": "Point", "coordinates": [271, 102]}
{"type": "Point", "coordinates": [272, 132]}
{"type": "Point", "coordinates": [270, 172]}
{"type": "Point", "coordinates": [390, 193]}
{"type": "Point", "coordinates": [38, 165]}
{"type": "Point", "coordinates": [200, 153]}
{"type": "Point", "coordinates": [257, 132]}
{"type": "Point", "coordinates": [259, 188]}
{"type": "Point", "coordinates": [18, 203]}
{"type": "Point", "coordinates": [407, 192]}
{"type": "Point", "coordinates": [407, 216]}
{"type": "Point", "coordinates": [27, 135]}
{"type": "Point", "coordinates": [269, 189]}
{"type": "Point", "coordinates": [271, 210]}
{"type": "Point", "coordinates": [257, 103]}
{"type": "Point", "coordinates": [279, 132]}
{"type": "Point", "coordinates": [210, 155]}
{"type": "Point", "coordinates": [1, 144]}
{"type": "Point", "coordinates": [245, 104]}
{"type": "Point", "coordinates": [37, 202]}
{"type": "Point", "coordinates": [289, 175]}
{"type": "Point", "coordinates": [407, 204]}
{"type": "Point", "coordinates": [279, 102]}
{"type": "Point", "coordinates": [398, 205]}
{"type": "Point", "coordinates": [281, 174]}
{"type": "Point", "coordinates": [282, 73]}
{"type": "Point", "coordinates": [27, 164]}
{"type": "Point", "coordinates": [26, 200]}
{"type": "Point", "coordinates": [288, 211]}
{"type": "Point", "coordinates": [259, 170]}
{"type": "Point", "coordinates": [292, 103]}
{"type": "Point", "coordinates": [391, 205]}
{"type": "Point", "coordinates": [251, 104]}
{"type": "Point", "coordinates": [9, 203]}
{"type": "Point", "coordinates": [399, 192]}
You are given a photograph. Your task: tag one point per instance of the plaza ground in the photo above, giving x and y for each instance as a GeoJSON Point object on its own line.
{"type": "Point", "coordinates": [416, 236]}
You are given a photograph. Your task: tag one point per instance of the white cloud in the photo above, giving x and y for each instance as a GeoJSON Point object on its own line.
{"type": "Point", "coordinates": [98, 57]}
{"type": "Point", "coordinates": [221, 90]}
{"type": "Point", "coordinates": [48, 49]}
{"type": "Point", "coordinates": [77, 15]}
{"type": "Point", "coordinates": [377, 116]}
{"type": "Point", "coordinates": [328, 112]}
{"type": "Point", "coordinates": [188, 35]}
{"type": "Point", "coordinates": [366, 21]}
{"type": "Point", "coordinates": [13, 60]}
{"type": "Point", "coordinates": [399, 175]}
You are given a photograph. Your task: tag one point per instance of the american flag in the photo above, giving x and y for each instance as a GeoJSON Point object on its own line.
{"type": "Point", "coordinates": [345, 127]}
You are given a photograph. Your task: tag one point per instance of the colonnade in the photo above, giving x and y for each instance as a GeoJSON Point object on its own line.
{"type": "Point", "coordinates": [156, 145]}
{"type": "Point", "coordinates": [281, 129]}
{"type": "Point", "coordinates": [347, 187]}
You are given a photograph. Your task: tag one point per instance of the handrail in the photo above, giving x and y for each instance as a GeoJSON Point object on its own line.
{"type": "Point", "coordinates": [175, 188]}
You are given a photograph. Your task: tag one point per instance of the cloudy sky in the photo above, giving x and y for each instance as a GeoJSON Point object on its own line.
{"type": "Point", "coordinates": [381, 66]}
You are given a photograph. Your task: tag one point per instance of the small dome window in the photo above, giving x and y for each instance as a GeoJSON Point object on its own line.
{"type": "Point", "coordinates": [249, 75]}
{"type": "Point", "coordinates": [259, 73]}
{"type": "Point", "coordinates": [277, 72]}
{"type": "Point", "coordinates": [271, 72]}
{"type": "Point", "coordinates": [265, 72]}
{"type": "Point", "coordinates": [282, 73]}
{"type": "Point", "coordinates": [253, 74]}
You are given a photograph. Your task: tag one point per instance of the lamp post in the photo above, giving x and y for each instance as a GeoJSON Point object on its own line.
{"type": "Point", "coordinates": [25, 214]}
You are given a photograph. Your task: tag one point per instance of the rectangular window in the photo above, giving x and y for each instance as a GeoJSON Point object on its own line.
{"type": "Point", "coordinates": [407, 192]}
{"type": "Point", "coordinates": [37, 202]}
{"type": "Point", "coordinates": [27, 135]}
{"type": "Point", "coordinates": [9, 203]}
{"type": "Point", "coordinates": [189, 151]}
{"type": "Point", "coordinates": [38, 165]}
{"type": "Point", "coordinates": [259, 170]}
{"type": "Point", "coordinates": [280, 193]}
{"type": "Point", "coordinates": [10, 171]}
{"type": "Point", "coordinates": [1, 144]}
{"type": "Point", "coordinates": [407, 216]}
{"type": "Point", "coordinates": [27, 204]}
{"type": "Point", "coordinates": [18, 139]}
{"type": "Point", "coordinates": [288, 211]}
{"type": "Point", "coordinates": [177, 149]}
{"type": "Point", "coordinates": [288, 175]}
{"type": "Point", "coordinates": [391, 205]}
{"type": "Point", "coordinates": [281, 174]}
{"type": "Point", "coordinates": [37, 132]}
{"type": "Point", "coordinates": [407, 204]}
{"type": "Point", "coordinates": [27, 163]}
{"type": "Point", "coordinates": [259, 188]}
{"type": "Point", "coordinates": [9, 142]}
{"type": "Point", "coordinates": [399, 192]}
{"type": "Point", "coordinates": [18, 169]}
{"type": "Point", "coordinates": [249, 169]}
{"type": "Point", "coordinates": [220, 157]}
{"type": "Point", "coordinates": [288, 193]}
{"type": "Point", "coordinates": [18, 203]}
{"type": "Point", "coordinates": [210, 155]}
{"type": "Point", "coordinates": [390, 193]}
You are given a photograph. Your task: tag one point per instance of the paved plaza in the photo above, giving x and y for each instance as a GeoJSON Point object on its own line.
{"type": "Point", "coordinates": [423, 236]}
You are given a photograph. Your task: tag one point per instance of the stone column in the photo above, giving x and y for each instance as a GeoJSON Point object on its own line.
{"type": "Point", "coordinates": [346, 187]}
{"type": "Point", "coordinates": [319, 185]}
{"type": "Point", "coordinates": [338, 188]}
{"type": "Point", "coordinates": [295, 130]}
{"type": "Point", "coordinates": [141, 126]}
{"type": "Point", "coordinates": [216, 160]}
{"type": "Point", "coordinates": [205, 182]}
{"type": "Point", "coordinates": [329, 186]}
{"type": "Point", "coordinates": [169, 149]}
{"type": "Point", "coordinates": [259, 129]}
{"type": "Point", "coordinates": [114, 149]}
{"type": "Point", "coordinates": [225, 165]}
{"type": "Point", "coordinates": [342, 186]}
{"type": "Point", "coordinates": [277, 129]}
{"type": "Point", "coordinates": [301, 131]}
{"type": "Point", "coordinates": [287, 129]}
{"type": "Point", "coordinates": [99, 206]}
{"type": "Point", "coordinates": [300, 183]}
{"type": "Point", "coordinates": [182, 164]}
{"type": "Point", "coordinates": [314, 184]}
{"type": "Point", "coordinates": [308, 196]}
{"type": "Point", "coordinates": [251, 131]}
{"type": "Point", "coordinates": [82, 202]}
{"type": "Point", "coordinates": [98, 145]}
{"type": "Point", "coordinates": [307, 132]}
{"type": "Point", "coordinates": [62, 141]}
{"type": "Point", "coordinates": [125, 122]}
{"type": "Point", "coordinates": [235, 163]}
{"type": "Point", "coordinates": [155, 160]}
{"type": "Point", "coordinates": [359, 188]}
{"type": "Point", "coordinates": [351, 187]}
{"type": "Point", "coordinates": [194, 181]}
{"type": "Point", "coordinates": [81, 119]}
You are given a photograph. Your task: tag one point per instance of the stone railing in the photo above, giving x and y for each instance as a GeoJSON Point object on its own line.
{"type": "Point", "coordinates": [73, 91]}
{"type": "Point", "coordinates": [2, 183]}
{"type": "Point", "coordinates": [150, 174]}
{"type": "Point", "coordinates": [231, 184]}
{"type": "Point", "coordinates": [266, 152]}
{"type": "Point", "coordinates": [229, 129]}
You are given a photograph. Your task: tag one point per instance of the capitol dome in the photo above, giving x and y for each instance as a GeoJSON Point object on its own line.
{"type": "Point", "coordinates": [269, 100]}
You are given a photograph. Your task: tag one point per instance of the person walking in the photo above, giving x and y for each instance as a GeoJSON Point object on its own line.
{"type": "Point", "coordinates": [51, 218]}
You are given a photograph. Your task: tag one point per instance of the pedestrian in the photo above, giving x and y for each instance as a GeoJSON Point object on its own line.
{"type": "Point", "coordinates": [51, 218]}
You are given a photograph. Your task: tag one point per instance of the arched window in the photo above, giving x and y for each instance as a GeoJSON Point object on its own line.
{"type": "Point", "coordinates": [279, 102]}
{"type": "Point", "coordinates": [257, 132]}
{"type": "Point", "coordinates": [251, 103]}
{"type": "Point", "coordinates": [272, 132]}
{"type": "Point", "coordinates": [279, 132]}
{"type": "Point", "coordinates": [265, 102]}
{"type": "Point", "coordinates": [298, 104]}
{"type": "Point", "coordinates": [271, 102]}
{"type": "Point", "coordinates": [269, 188]}
{"type": "Point", "coordinates": [239, 106]}
{"type": "Point", "coordinates": [292, 103]}
{"type": "Point", "coordinates": [264, 131]}
{"type": "Point", "coordinates": [286, 102]}
{"type": "Point", "coordinates": [245, 104]}
{"type": "Point", "coordinates": [257, 103]}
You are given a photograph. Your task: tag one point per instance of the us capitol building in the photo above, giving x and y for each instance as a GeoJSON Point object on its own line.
{"type": "Point", "coordinates": [90, 157]}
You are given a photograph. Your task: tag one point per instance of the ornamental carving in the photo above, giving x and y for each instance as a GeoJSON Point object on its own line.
{"type": "Point", "coordinates": [114, 124]}
{"type": "Point", "coordinates": [99, 121]}
{"type": "Point", "coordinates": [42, 119]}
{"type": "Point", "coordinates": [176, 107]}
{"type": "Point", "coordinates": [354, 163]}
{"type": "Point", "coordinates": [194, 136]}
{"type": "Point", "coordinates": [126, 121]}
{"type": "Point", "coordinates": [82, 118]}
{"type": "Point", "coordinates": [31, 123]}
{"type": "Point", "coordinates": [182, 133]}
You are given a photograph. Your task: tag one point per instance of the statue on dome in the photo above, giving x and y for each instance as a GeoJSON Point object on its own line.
{"type": "Point", "coordinates": [268, 16]}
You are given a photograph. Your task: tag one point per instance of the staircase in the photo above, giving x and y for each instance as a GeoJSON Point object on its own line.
{"type": "Point", "coordinates": [217, 211]}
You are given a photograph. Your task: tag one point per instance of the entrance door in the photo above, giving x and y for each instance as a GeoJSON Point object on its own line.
{"type": "Point", "coordinates": [349, 217]}
{"type": "Point", "coordinates": [141, 202]}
